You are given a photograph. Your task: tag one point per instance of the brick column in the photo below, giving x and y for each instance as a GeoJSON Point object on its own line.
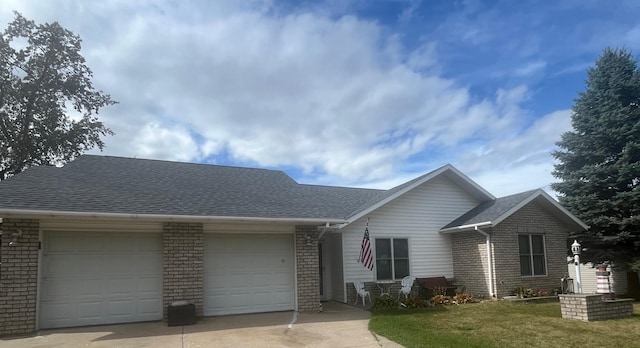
{"type": "Point", "coordinates": [182, 262]}
{"type": "Point", "coordinates": [19, 277]}
{"type": "Point", "coordinates": [307, 268]}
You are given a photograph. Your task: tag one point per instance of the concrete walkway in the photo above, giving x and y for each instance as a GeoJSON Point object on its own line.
{"type": "Point", "coordinates": [338, 325]}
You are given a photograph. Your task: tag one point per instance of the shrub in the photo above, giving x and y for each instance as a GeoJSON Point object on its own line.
{"type": "Point", "coordinates": [384, 302]}
{"type": "Point", "coordinates": [415, 302]}
{"type": "Point", "coordinates": [440, 300]}
{"type": "Point", "coordinates": [463, 297]}
{"type": "Point", "coordinates": [526, 293]}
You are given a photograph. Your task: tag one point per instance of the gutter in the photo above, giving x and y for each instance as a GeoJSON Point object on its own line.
{"type": "Point", "coordinates": [325, 228]}
{"type": "Point", "coordinates": [470, 227]}
{"type": "Point", "coordinates": [489, 260]}
{"type": "Point", "coordinates": [7, 213]}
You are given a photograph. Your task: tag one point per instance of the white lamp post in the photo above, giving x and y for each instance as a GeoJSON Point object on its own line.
{"type": "Point", "coordinates": [576, 248]}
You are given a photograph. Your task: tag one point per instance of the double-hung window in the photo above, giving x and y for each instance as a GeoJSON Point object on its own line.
{"type": "Point", "coordinates": [392, 258]}
{"type": "Point", "coordinates": [532, 255]}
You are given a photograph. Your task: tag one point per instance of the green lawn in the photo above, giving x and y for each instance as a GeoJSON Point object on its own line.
{"type": "Point", "coordinates": [502, 324]}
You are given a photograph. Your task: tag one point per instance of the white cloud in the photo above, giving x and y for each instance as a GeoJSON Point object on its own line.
{"type": "Point", "coordinates": [530, 68]}
{"type": "Point", "coordinates": [335, 97]}
{"type": "Point", "coordinates": [519, 163]}
{"type": "Point", "coordinates": [157, 142]}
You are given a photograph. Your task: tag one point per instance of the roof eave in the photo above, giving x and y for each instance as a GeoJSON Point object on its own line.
{"type": "Point", "coordinates": [469, 227]}
{"type": "Point", "coordinates": [52, 214]}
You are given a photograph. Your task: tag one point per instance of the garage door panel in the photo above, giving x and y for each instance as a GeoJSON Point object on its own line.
{"type": "Point", "coordinates": [60, 245]}
{"type": "Point", "coordinates": [89, 244]}
{"type": "Point", "coordinates": [148, 307]}
{"type": "Point", "coordinates": [248, 273]}
{"type": "Point", "coordinates": [149, 286]}
{"type": "Point", "coordinates": [61, 288]}
{"type": "Point", "coordinates": [121, 244]}
{"type": "Point", "coordinates": [122, 287]}
{"type": "Point", "coordinates": [89, 288]}
{"type": "Point", "coordinates": [120, 308]}
{"type": "Point", "coordinates": [101, 279]}
{"type": "Point", "coordinates": [89, 310]}
{"type": "Point", "coordinates": [85, 265]}
{"type": "Point", "coordinates": [59, 266]}
{"type": "Point", "coordinates": [56, 311]}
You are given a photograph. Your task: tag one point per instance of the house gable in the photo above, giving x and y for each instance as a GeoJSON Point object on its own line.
{"type": "Point", "coordinates": [417, 216]}
{"type": "Point", "coordinates": [491, 213]}
{"type": "Point", "coordinates": [533, 218]}
{"type": "Point", "coordinates": [448, 171]}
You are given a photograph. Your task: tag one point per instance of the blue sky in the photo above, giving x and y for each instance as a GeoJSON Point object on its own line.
{"type": "Point", "coordinates": [351, 93]}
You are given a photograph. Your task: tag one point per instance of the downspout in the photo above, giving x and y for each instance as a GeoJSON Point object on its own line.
{"type": "Point", "coordinates": [489, 260]}
{"type": "Point", "coordinates": [324, 230]}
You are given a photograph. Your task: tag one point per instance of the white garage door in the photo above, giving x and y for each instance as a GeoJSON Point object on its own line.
{"type": "Point", "coordinates": [100, 278]}
{"type": "Point", "coordinates": [248, 273]}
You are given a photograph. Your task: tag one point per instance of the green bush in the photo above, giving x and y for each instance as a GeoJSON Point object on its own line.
{"type": "Point", "coordinates": [384, 302]}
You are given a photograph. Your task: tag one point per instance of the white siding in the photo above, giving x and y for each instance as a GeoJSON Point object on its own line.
{"type": "Point", "coordinates": [417, 215]}
{"type": "Point", "coordinates": [618, 280]}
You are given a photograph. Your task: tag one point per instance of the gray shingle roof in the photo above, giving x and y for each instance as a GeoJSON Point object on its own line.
{"type": "Point", "coordinates": [104, 184]}
{"type": "Point", "coordinates": [490, 210]}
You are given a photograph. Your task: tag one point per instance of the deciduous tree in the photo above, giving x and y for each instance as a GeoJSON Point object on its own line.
{"type": "Point", "coordinates": [43, 79]}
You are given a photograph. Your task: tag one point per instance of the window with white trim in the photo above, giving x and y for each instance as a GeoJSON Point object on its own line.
{"type": "Point", "coordinates": [532, 255]}
{"type": "Point", "coordinates": [392, 258]}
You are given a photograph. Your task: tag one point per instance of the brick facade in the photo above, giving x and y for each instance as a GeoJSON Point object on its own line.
{"type": "Point", "coordinates": [19, 277]}
{"type": "Point", "coordinates": [182, 263]}
{"type": "Point", "coordinates": [470, 262]}
{"type": "Point", "coordinates": [593, 307]}
{"type": "Point", "coordinates": [308, 272]}
{"type": "Point", "coordinates": [469, 253]}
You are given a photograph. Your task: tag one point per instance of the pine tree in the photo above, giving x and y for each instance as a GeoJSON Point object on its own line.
{"type": "Point", "coordinates": [598, 162]}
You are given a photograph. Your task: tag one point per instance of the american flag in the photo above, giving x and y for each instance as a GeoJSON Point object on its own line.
{"type": "Point", "coordinates": [366, 257]}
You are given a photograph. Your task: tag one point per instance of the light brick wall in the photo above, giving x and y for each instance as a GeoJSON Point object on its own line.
{"type": "Point", "coordinates": [531, 219]}
{"type": "Point", "coordinates": [19, 277]}
{"type": "Point", "coordinates": [182, 262]}
{"type": "Point", "coordinates": [307, 268]}
{"type": "Point", "coordinates": [470, 260]}
{"type": "Point", "coordinates": [592, 307]}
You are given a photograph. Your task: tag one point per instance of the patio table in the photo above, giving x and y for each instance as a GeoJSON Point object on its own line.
{"type": "Point", "coordinates": [385, 286]}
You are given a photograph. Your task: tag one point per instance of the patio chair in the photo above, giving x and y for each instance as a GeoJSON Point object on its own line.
{"type": "Point", "coordinates": [407, 284]}
{"type": "Point", "coordinates": [361, 292]}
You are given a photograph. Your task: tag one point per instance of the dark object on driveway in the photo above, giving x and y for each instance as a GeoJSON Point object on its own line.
{"type": "Point", "coordinates": [181, 313]}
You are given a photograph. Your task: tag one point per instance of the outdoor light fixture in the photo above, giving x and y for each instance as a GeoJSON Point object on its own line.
{"type": "Point", "coordinates": [14, 237]}
{"type": "Point", "coordinates": [309, 240]}
{"type": "Point", "coordinates": [576, 248]}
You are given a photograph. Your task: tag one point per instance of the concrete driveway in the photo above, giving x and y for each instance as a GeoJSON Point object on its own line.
{"type": "Point", "coordinates": [338, 325]}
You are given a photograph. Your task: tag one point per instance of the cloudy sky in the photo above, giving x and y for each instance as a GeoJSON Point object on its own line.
{"type": "Point", "coordinates": [366, 93]}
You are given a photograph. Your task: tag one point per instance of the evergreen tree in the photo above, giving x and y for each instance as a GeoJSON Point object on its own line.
{"type": "Point", "coordinates": [598, 162]}
{"type": "Point", "coordinates": [42, 76]}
